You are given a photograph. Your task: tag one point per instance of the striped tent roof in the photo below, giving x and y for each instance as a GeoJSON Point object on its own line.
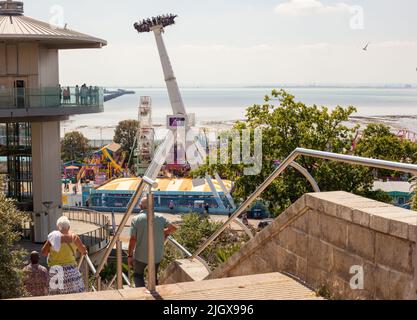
{"type": "Point", "coordinates": [164, 185]}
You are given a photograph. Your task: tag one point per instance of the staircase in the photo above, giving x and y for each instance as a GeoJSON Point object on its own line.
{"type": "Point", "coordinates": [273, 286]}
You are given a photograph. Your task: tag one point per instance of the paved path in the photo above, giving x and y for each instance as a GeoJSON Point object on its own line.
{"type": "Point", "coordinates": [274, 286]}
{"type": "Point", "coordinates": [82, 227]}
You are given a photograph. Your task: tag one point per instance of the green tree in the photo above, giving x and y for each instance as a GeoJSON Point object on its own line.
{"type": "Point", "coordinates": [379, 142]}
{"type": "Point", "coordinates": [288, 125]}
{"type": "Point", "coordinates": [125, 134]}
{"type": "Point", "coordinates": [11, 259]}
{"type": "Point", "coordinates": [74, 146]}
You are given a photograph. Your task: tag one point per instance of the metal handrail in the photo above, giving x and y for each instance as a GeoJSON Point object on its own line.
{"type": "Point", "coordinates": [95, 218]}
{"type": "Point", "coordinates": [244, 227]}
{"type": "Point", "coordinates": [90, 264]}
{"type": "Point", "coordinates": [152, 173]}
{"type": "Point", "coordinates": [367, 162]}
{"type": "Point", "coordinates": [181, 248]}
{"type": "Point", "coordinates": [132, 204]}
{"type": "Point", "coordinates": [126, 279]}
{"type": "Point", "coordinates": [307, 175]}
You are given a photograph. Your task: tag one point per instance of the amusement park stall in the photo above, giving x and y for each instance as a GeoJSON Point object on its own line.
{"type": "Point", "coordinates": [172, 196]}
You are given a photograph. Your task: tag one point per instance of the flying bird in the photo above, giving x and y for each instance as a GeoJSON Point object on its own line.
{"type": "Point", "coordinates": [366, 47]}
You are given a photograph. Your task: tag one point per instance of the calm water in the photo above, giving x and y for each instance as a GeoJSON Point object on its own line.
{"type": "Point", "coordinates": [230, 104]}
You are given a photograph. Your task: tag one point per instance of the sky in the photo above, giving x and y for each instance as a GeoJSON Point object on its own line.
{"type": "Point", "coordinates": [241, 42]}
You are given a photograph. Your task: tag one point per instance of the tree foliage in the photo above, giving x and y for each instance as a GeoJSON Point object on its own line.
{"type": "Point", "coordinates": [287, 125]}
{"type": "Point", "coordinates": [74, 146]}
{"type": "Point", "coordinates": [379, 142]}
{"type": "Point", "coordinates": [125, 134]}
{"type": "Point", "coordinates": [11, 259]}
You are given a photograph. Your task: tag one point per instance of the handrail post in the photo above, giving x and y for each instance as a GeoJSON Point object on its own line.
{"type": "Point", "coordinates": [119, 265]}
{"type": "Point", "coordinates": [98, 284]}
{"type": "Point", "coordinates": [129, 275]}
{"type": "Point", "coordinates": [151, 244]}
{"type": "Point", "coordinates": [86, 275]}
{"type": "Point", "coordinates": [415, 268]}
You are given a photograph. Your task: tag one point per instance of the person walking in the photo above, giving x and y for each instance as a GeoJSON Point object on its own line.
{"type": "Point", "coordinates": [171, 206]}
{"type": "Point", "coordinates": [60, 93]}
{"type": "Point", "coordinates": [96, 94]}
{"type": "Point", "coordinates": [245, 219]}
{"type": "Point", "coordinates": [138, 244]}
{"type": "Point", "coordinates": [61, 249]}
{"type": "Point", "coordinates": [36, 277]}
{"type": "Point", "coordinates": [206, 209]}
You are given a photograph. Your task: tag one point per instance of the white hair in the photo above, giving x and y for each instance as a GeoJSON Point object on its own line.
{"type": "Point", "coordinates": [63, 224]}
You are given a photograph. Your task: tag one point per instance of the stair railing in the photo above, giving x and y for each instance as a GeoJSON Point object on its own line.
{"type": "Point", "coordinates": [367, 162]}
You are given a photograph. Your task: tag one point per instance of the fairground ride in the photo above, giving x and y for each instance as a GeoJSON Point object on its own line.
{"type": "Point", "coordinates": [180, 118]}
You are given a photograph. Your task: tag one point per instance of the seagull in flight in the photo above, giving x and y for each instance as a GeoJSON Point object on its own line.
{"type": "Point", "coordinates": [366, 47]}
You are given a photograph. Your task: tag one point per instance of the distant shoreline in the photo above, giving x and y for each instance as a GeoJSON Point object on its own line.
{"type": "Point", "coordinates": [397, 123]}
{"type": "Point", "coordinates": [277, 86]}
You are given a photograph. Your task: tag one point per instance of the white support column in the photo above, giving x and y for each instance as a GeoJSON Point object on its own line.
{"type": "Point", "coordinates": [215, 193]}
{"type": "Point", "coordinates": [46, 168]}
{"type": "Point", "coordinates": [172, 85]}
{"type": "Point", "coordinates": [225, 191]}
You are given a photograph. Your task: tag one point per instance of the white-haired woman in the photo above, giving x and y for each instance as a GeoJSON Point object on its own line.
{"type": "Point", "coordinates": [61, 249]}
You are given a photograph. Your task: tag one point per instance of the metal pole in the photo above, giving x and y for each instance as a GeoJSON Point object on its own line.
{"type": "Point", "coordinates": [151, 245]}
{"type": "Point", "coordinates": [131, 207]}
{"type": "Point", "coordinates": [129, 275]}
{"type": "Point", "coordinates": [86, 276]}
{"type": "Point", "coordinates": [119, 265]}
{"type": "Point", "coordinates": [415, 268]}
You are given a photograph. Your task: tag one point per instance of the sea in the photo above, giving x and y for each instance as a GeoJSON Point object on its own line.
{"type": "Point", "coordinates": [221, 105]}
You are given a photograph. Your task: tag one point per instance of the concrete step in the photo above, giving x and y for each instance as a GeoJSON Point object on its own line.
{"type": "Point", "coordinates": [273, 286]}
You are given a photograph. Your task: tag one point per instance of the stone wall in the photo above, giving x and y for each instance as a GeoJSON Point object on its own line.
{"type": "Point", "coordinates": [322, 236]}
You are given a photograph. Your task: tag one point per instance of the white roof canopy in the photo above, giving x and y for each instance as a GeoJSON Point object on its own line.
{"type": "Point", "coordinates": [15, 26]}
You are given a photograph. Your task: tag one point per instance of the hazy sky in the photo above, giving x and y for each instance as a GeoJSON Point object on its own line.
{"type": "Point", "coordinates": [232, 42]}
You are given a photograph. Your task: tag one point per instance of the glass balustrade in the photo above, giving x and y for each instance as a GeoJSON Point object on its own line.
{"type": "Point", "coordinates": [26, 98]}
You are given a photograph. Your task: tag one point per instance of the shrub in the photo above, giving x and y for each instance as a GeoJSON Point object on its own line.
{"type": "Point", "coordinates": [11, 259]}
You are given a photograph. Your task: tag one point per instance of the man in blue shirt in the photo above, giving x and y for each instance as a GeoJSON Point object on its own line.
{"type": "Point", "coordinates": [138, 245]}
